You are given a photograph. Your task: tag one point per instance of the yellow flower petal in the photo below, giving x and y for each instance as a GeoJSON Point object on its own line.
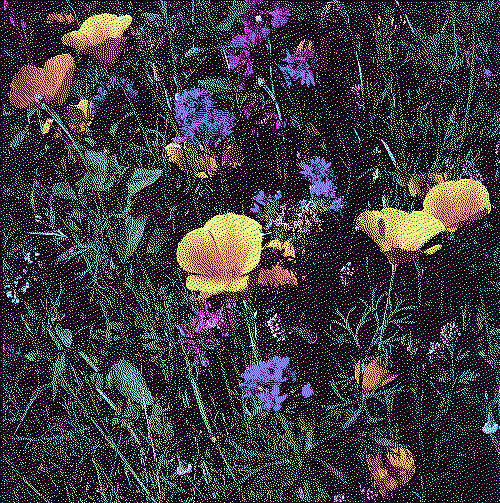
{"type": "Point", "coordinates": [239, 240]}
{"type": "Point", "coordinates": [286, 246]}
{"type": "Point", "coordinates": [76, 40]}
{"type": "Point", "coordinates": [119, 25]}
{"type": "Point", "coordinates": [419, 227]}
{"type": "Point", "coordinates": [197, 253]}
{"type": "Point", "coordinates": [367, 222]}
{"type": "Point", "coordinates": [46, 126]}
{"type": "Point", "coordinates": [458, 203]}
{"type": "Point", "coordinates": [210, 287]}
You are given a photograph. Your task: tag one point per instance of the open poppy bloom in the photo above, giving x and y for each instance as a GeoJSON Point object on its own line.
{"type": "Point", "coordinates": [275, 275]}
{"type": "Point", "coordinates": [392, 470]}
{"type": "Point", "coordinates": [220, 255]}
{"type": "Point", "coordinates": [401, 236]}
{"type": "Point", "coordinates": [420, 184]}
{"type": "Point", "coordinates": [458, 203]}
{"type": "Point", "coordinates": [374, 376]}
{"type": "Point", "coordinates": [101, 37]}
{"type": "Point", "coordinates": [52, 82]}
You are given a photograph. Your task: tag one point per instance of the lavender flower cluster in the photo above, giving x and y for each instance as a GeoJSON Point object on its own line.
{"type": "Point", "coordinates": [299, 67]}
{"type": "Point", "coordinates": [264, 379]}
{"type": "Point", "coordinates": [321, 177]}
{"type": "Point", "coordinates": [105, 90]}
{"type": "Point", "coordinates": [200, 120]}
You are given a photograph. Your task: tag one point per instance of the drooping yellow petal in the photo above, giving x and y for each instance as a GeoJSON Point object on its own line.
{"type": "Point", "coordinates": [239, 241]}
{"type": "Point", "coordinates": [197, 253]}
{"type": "Point", "coordinates": [392, 225]}
{"type": "Point", "coordinates": [209, 286]}
{"type": "Point", "coordinates": [119, 25]}
{"type": "Point", "coordinates": [458, 203]}
{"type": "Point", "coordinates": [97, 28]}
{"type": "Point", "coordinates": [433, 249]}
{"type": "Point", "coordinates": [77, 40]}
{"type": "Point", "coordinates": [418, 229]}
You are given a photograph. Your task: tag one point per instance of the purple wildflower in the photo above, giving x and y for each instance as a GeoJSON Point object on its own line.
{"type": "Point", "coordinates": [192, 108]}
{"type": "Point", "coordinates": [261, 199]}
{"type": "Point", "coordinates": [105, 90]}
{"type": "Point", "coordinates": [299, 66]}
{"type": "Point", "coordinates": [240, 63]}
{"type": "Point", "coordinates": [208, 319]}
{"type": "Point", "coordinates": [263, 380]}
{"type": "Point", "coordinates": [218, 126]}
{"type": "Point", "coordinates": [319, 174]}
{"type": "Point", "coordinates": [197, 345]}
{"type": "Point", "coordinates": [307, 391]}
{"type": "Point", "coordinates": [257, 21]}
{"type": "Point", "coordinates": [449, 334]}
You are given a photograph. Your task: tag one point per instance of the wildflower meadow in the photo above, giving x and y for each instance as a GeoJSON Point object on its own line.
{"type": "Point", "coordinates": [251, 251]}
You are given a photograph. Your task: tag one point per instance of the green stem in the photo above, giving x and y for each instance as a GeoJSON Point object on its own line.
{"type": "Point", "coordinates": [252, 331]}
{"type": "Point", "coordinates": [387, 304]}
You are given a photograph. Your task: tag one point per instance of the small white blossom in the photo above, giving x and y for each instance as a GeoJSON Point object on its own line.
{"type": "Point", "coordinates": [490, 427]}
{"type": "Point", "coordinates": [184, 467]}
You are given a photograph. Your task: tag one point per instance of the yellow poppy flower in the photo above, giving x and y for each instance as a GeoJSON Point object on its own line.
{"type": "Point", "coordinates": [374, 376]}
{"type": "Point", "coordinates": [101, 37]}
{"type": "Point", "coordinates": [458, 203]}
{"type": "Point", "coordinates": [77, 117]}
{"type": "Point", "coordinates": [220, 255]}
{"type": "Point", "coordinates": [53, 82]}
{"type": "Point", "coordinates": [175, 153]}
{"type": "Point", "coordinates": [400, 235]}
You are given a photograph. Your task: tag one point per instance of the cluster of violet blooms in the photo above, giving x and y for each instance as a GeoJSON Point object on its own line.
{"type": "Point", "coordinates": [257, 23]}
{"type": "Point", "coordinates": [198, 339]}
{"type": "Point", "coordinates": [263, 380]}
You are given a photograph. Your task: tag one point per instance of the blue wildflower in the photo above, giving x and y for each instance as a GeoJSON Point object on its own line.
{"type": "Point", "coordinates": [264, 379]}
{"type": "Point", "coordinates": [299, 66]}
{"type": "Point", "coordinates": [261, 199]}
{"type": "Point", "coordinates": [105, 90]}
{"type": "Point", "coordinates": [319, 174]}
{"type": "Point", "coordinates": [307, 391]}
{"type": "Point", "coordinates": [199, 119]}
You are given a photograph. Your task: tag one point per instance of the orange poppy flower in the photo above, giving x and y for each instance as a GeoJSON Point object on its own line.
{"type": "Point", "coordinates": [303, 46]}
{"type": "Point", "coordinates": [374, 376]}
{"type": "Point", "coordinates": [220, 255]}
{"type": "Point", "coordinates": [391, 471]}
{"type": "Point", "coordinates": [420, 184]}
{"type": "Point", "coordinates": [279, 276]}
{"type": "Point", "coordinates": [206, 163]}
{"type": "Point", "coordinates": [53, 82]}
{"type": "Point", "coordinates": [101, 37]}
{"type": "Point", "coordinates": [458, 203]}
{"type": "Point", "coordinates": [401, 236]}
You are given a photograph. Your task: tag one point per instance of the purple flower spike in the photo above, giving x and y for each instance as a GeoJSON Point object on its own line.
{"type": "Point", "coordinates": [307, 391]}
{"type": "Point", "coordinates": [263, 380]}
{"type": "Point", "coordinates": [241, 64]}
{"type": "Point", "coordinates": [299, 67]}
{"type": "Point", "coordinates": [261, 199]}
{"type": "Point", "coordinates": [319, 174]}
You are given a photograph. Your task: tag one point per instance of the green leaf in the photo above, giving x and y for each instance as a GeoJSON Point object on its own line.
{"type": "Point", "coordinates": [63, 190]}
{"type": "Point", "coordinates": [237, 8]}
{"type": "Point", "coordinates": [218, 85]}
{"type": "Point", "coordinates": [127, 235]}
{"type": "Point", "coordinates": [103, 172]}
{"type": "Point", "coordinates": [304, 126]}
{"type": "Point", "coordinates": [306, 334]}
{"type": "Point", "coordinates": [142, 178]}
{"type": "Point", "coordinates": [114, 127]}
{"type": "Point", "coordinates": [90, 360]}
{"type": "Point", "coordinates": [64, 335]}
{"type": "Point", "coordinates": [129, 382]}
{"type": "Point", "coordinates": [58, 375]}
{"type": "Point", "coordinates": [159, 241]}
{"type": "Point", "coordinates": [467, 376]}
